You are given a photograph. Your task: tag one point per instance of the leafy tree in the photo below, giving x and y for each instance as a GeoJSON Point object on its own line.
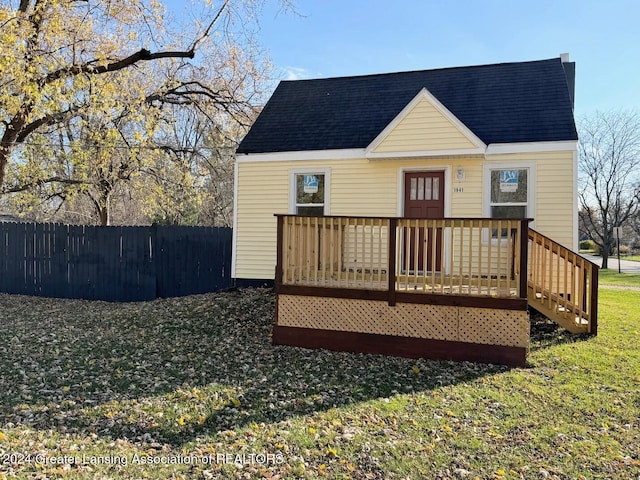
{"type": "Point", "coordinates": [609, 157]}
{"type": "Point", "coordinates": [87, 87]}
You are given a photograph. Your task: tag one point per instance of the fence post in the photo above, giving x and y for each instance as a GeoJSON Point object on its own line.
{"type": "Point", "coordinates": [393, 224]}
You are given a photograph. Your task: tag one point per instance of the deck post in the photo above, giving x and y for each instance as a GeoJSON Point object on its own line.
{"type": "Point", "coordinates": [279, 253]}
{"type": "Point", "coordinates": [524, 260]}
{"type": "Point", "coordinates": [393, 224]}
{"type": "Point", "coordinates": [593, 301]}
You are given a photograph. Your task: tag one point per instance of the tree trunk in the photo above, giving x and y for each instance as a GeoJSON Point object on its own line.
{"type": "Point", "coordinates": [103, 207]}
{"type": "Point", "coordinates": [4, 157]}
{"type": "Point", "coordinates": [605, 258]}
{"type": "Point", "coordinates": [104, 216]}
{"type": "Point", "coordinates": [105, 211]}
{"type": "Point", "coordinates": [7, 144]}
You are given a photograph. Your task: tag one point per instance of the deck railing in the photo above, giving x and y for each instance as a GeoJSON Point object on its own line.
{"type": "Point", "coordinates": [449, 256]}
{"type": "Point", "coordinates": [458, 261]}
{"type": "Point", "coordinates": [562, 284]}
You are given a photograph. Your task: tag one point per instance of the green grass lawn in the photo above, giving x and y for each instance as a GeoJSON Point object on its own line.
{"type": "Point", "coordinates": [184, 388]}
{"type": "Point", "coordinates": [612, 277]}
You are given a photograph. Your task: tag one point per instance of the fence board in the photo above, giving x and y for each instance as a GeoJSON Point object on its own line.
{"type": "Point", "coordinates": [192, 260]}
{"type": "Point", "coordinates": [15, 256]}
{"type": "Point", "coordinates": [113, 263]}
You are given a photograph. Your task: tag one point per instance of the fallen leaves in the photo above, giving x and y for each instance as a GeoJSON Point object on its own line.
{"type": "Point", "coordinates": [198, 376]}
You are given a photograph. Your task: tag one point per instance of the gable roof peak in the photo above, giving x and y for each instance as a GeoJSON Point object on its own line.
{"type": "Point", "coordinates": [499, 103]}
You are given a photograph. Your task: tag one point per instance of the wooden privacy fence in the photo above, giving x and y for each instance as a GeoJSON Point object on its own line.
{"type": "Point", "coordinates": [113, 263]}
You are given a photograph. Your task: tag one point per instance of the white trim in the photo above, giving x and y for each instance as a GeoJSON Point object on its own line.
{"type": "Point", "coordinates": [531, 185]}
{"type": "Point", "coordinates": [339, 154]}
{"type": "Point", "coordinates": [424, 94]}
{"type": "Point", "coordinates": [531, 147]}
{"type": "Point", "coordinates": [447, 200]}
{"type": "Point", "coordinates": [426, 153]}
{"type": "Point", "coordinates": [361, 153]}
{"type": "Point", "coordinates": [234, 235]}
{"type": "Point", "coordinates": [576, 233]}
{"type": "Point", "coordinates": [327, 187]}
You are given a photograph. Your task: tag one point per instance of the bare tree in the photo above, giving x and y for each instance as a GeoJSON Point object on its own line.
{"type": "Point", "coordinates": [609, 157]}
{"type": "Point", "coordinates": [204, 143]}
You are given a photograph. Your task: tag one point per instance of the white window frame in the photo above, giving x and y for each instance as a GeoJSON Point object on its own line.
{"type": "Point", "coordinates": [293, 205]}
{"type": "Point", "coordinates": [531, 186]}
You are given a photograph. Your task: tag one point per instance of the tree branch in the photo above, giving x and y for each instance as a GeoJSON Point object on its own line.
{"type": "Point", "coordinates": [52, 119]}
{"type": "Point", "coordinates": [140, 55]}
{"type": "Point", "coordinates": [207, 30]}
{"type": "Point", "coordinates": [38, 183]}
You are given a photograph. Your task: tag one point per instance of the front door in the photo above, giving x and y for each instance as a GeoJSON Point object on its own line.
{"type": "Point", "coordinates": [423, 198]}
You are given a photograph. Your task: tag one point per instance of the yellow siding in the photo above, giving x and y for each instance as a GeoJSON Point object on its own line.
{"type": "Point", "coordinates": [263, 189]}
{"type": "Point", "coordinates": [466, 197]}
{"type": "Point", "coordinates": [424, 129]}
{"type": "Point", "coordinates": [556, 194]}
{"type": "Point", "coordinates": [359, 187]}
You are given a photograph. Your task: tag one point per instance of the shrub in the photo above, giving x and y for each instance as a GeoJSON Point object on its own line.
{"type": "Point", "coordinates": [625, 250]}
{"type": "Point", "coordinates": [589, 245]}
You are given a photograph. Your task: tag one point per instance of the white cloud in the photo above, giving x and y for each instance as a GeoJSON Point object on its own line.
{"type": "Point", "coordinates": [295, 73]}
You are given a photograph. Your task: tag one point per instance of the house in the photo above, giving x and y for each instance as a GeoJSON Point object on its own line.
{"type": "Point", "coordinates": [425, 181]}
{"type": "Point", "coordinates": [9, 217]}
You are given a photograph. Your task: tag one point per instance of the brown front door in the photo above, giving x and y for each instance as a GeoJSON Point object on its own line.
{"type": "Point", "coordinates": [423, 198]}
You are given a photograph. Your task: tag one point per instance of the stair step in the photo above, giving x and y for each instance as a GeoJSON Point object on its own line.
{"type": "Point", "coordinates": [563, 315]}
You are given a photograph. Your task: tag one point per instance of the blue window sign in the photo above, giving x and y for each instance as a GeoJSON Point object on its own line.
{"type": "Point", "coordinates": [310, 184]}
{"type": "Point", "coordinates": [509, 180]}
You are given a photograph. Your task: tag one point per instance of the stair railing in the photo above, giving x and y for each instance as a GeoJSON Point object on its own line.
{"type": "Point", "coordinates": [562, 284]}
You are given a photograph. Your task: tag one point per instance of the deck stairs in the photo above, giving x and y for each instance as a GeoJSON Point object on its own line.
{"type": "Point", "coordinates": [562, 285]}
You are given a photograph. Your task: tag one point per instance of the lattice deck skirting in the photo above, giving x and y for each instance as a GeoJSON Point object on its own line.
{"type": "Point", "coordinates": [484, 328]}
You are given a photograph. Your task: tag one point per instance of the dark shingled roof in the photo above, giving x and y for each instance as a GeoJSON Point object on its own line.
{"type": "Point", "coordinates": [500, 103]}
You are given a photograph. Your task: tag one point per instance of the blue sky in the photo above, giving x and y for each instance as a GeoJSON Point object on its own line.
{"type": "Point", "coordinates": [353, 37]}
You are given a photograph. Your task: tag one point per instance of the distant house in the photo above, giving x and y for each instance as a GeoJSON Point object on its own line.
{"type": "Point", "coordinates": [8, 217]}
{"type": "Point", "coordinates": [488, 142]}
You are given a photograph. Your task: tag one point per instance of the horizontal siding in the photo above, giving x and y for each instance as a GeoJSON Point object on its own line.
{"type": "Point", "coordinates": [263, 190]}
{"type": "Point", "coordinates": [364, 188]}
{"type": "Point", "coordinates": [357, 187]}
{"type": "Point", "coordinates": [423, 129]}
{"type": "Point", "coordinates": [360, 187]}
{"type": "Point", "coordinates": [466, 196]}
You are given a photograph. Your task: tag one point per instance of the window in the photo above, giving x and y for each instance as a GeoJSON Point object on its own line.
{"type": "Point", "coordinates": [425, 188]}
{"type": "Point", "coordinates": [509, 193]}
{"type": "Point", "coordinates": [309, 191]}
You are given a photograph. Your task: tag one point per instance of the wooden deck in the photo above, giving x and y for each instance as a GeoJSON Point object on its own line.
{"type": "Point", "coordinates": [351, 277]}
